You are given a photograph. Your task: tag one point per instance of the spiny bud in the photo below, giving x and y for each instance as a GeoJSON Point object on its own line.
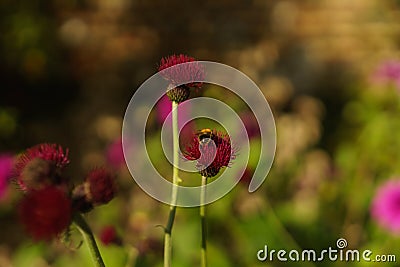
{"type": "Point", "coordinates": [178, 94]}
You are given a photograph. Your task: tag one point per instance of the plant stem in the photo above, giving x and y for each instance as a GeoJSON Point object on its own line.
{"type": "Point", "coordinates": [203, 222]}
{"type": "Point", "coordinates": [87, 234]}
{"type": "Point", "coordinates": [175, 183]}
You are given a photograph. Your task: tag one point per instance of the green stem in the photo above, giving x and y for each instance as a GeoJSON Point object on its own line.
{"type": "Point", "coordinates": [87, 234]}
{"type": "Point", "coordinates": [203, 222]}
{"type": "Point", "coordinates": [132, 257]}
{"type": "Point", "coordinates": [175, 182]}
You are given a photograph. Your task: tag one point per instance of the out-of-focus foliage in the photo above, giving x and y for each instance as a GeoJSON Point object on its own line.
{"type": "Point", "coordinates": [69, 69]}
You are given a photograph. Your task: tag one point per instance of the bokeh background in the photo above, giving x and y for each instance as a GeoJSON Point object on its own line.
{"type": "Point", "coordinates": [328, 69]}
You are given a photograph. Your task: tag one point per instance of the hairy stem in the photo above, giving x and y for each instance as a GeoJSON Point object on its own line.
{"type": "Point", "coordinates": [87, 234]}
{"type": "Point", "coordinates": [175, 182]}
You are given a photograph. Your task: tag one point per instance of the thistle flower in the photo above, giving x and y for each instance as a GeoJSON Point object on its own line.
{"type": "Point", "coordinates": [41, 166]}
{"type": "Point", "coordinates": [385, 208]}
{"type": "Point", "coordinates": [211, 153]}
{"type": "Point", "coordinates": [181, 74]}
{"type": "Point", "coordinates": [45, 213]}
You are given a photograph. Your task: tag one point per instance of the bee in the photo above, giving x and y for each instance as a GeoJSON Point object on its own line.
{"type": "Point", "coordinates": [205, 135]}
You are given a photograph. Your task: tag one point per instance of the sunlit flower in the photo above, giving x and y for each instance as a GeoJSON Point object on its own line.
{"type": "Point", "coordinates": [45, 213]}
{"type": "Point", "coordinates": [40, 166]}
{"type": "Point", "coordinates": [385, 208]}
{"type": "Point", "coordinates": [181, 74]}
{"type": "Point", "coordinates": [211, 153]}
{"type": "Point", "coordinates": [6, 163]}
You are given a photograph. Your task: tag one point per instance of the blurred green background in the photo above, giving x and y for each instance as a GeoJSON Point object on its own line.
{"type": "Point", "coordinates": [69, 68]}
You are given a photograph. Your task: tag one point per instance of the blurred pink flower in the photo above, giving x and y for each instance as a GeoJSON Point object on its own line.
{"type": "Point", "coordinates": [388, 72]}
{"type": "Point", "coordinates": [115, 155]}
{"type": "Point", "coordinates": [164, 107]}
{"type": "Point", "coordinates": [6, 165]}
{"type": "Point", "coordinates": [385, 208]}
{"type": "Point", "coordinates": [108, 236]}
{"type": "Point", "coordinates": [247, 176]}
{"type": "Point", "coordinates": [251, 124]}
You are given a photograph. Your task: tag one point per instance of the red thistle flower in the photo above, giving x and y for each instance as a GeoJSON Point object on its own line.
{"type": "Point", "coordinates": [45, 213]}
{"type": "Point", "coordinates": [211, 153]}
{"type": "Point", "coordinates": [99, 187]}
{"type": "Point", "coordinates": [181, 73]}
{"type": "Point", "coordinates": [40, 166]}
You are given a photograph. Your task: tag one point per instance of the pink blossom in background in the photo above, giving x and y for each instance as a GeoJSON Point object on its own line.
{"type": "Point", "coordinates": [164, 107]}
{"type": "Point", "coordinates": [388, 72]}
{"type": "Point", "coordinates": [385, 208]}
{"type": "Point", "coordinates": [108, 236]}
{"type": "Point", "coordinates": [251, 124]}
{"type": "Point", "coordinates": [6, 165]}
{"type": "Point", "coordinates": [247, 176]}
{"type": "Point", "coordinates": [115, 155]}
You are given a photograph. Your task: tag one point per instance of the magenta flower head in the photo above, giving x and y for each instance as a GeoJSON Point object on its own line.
{"type": "Point", "coordinates": [180, 74]}
{"type": "Point", "coordinates": [212, 150]}
{"type": "Point", "coordinates": [385, 208]}
{"type": "Point", "coordinates": [6, 164]}
{"type": "Point", "coordinates": [45, 213]}
{"type": "Point", "coordinates": [41, 166]}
